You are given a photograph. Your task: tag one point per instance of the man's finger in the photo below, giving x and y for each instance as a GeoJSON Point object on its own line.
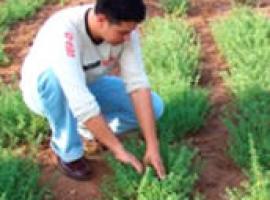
{"type": "Point", "coordinates": [136, 164]}
{"type": "Point", "coordinates": [160, 170]}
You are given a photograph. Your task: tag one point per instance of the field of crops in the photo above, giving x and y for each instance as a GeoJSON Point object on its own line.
{"type": "Point", "coordinates": [175, 59]}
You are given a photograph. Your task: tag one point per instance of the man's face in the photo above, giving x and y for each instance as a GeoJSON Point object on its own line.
{"type": "Point", "coordinates": [117, 33]}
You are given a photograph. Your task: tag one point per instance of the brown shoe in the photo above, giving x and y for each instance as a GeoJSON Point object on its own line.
{"type": "Point", "coordinates": [77, 169]}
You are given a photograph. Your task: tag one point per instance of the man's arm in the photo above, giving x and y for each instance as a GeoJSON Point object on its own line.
{"type": "Point", "coordinates": [144, 110]}
{"type": "Point", "coordinates": [137, 84]}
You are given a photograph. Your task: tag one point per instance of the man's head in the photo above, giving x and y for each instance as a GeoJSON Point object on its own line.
{"type": "Point", "coordinates": [117, 18]}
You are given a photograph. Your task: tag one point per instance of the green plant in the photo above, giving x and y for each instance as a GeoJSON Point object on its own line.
{"type": "Point", "coordinates": [251, 114]}
{"type": "Point", "coordinates": [185, 112]}
{"type": "Point", "coordinates": [126, 179]}
{"type": "Point", "coordinates": [19, 178]}
{"type": "Point", "coordinates": [17, 123]}
{"type": "Point", "coordinates": [243, 39]}
{"type": "Point", "coordinates": [246, 2]}
{"type": "Point", "coordinates": [10, 12]}
{"type": "Point", "coordinates": [171, 55]}
{"type": "Point", "coordinates": [176, 7]}
{"type": "Point", "coordinates": [257, 188]}
{"type": "Point", "coordinates": [170, 49]}
{"type": "Point", "coordinates": [181, 176]}
{"type": "Point", "coordinates": [245, 47]}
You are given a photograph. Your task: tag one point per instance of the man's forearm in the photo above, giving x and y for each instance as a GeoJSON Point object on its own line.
{"type": "Point", "coordinates": [144, 110]}
{"type": "Point", "coordinates": [102, 132]}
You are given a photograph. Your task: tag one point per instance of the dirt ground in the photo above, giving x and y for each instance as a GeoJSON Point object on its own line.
{"type": "Point", "coordinates": [219, 170]}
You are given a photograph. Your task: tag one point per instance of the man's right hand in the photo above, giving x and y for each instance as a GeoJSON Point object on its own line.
{"type": "Point", "coordinates": [127, 158]}
{"type": "Point", "coordinates": [102, 132]}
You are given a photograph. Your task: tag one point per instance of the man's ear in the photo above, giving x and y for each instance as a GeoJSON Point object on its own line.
{"type": "Point", "coordinates": [101, 18]}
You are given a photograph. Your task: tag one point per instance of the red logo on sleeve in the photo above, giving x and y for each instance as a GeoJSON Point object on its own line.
{"type": "Point", "coordinates": [69, 44]}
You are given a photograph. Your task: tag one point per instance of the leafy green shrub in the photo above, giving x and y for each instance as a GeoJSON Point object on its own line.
{"type": "Point", "coordinates": [257, 188]}
{"type": "Point", "coordinates": [245, 47]}
{"type": "Point", "coordinates": [17, 123]}
{"type": "Point", "coordinates": [170, 48]}
{"type": "Point", "coordinates": [185, 112]}
{"type": "Point", "coordinates": [177, 7]}
{"type": "Point", "coordinates": [171, 55]}
{"type": "Point", "coordinates": [12, 11]}
{"type": "Point", "coordinates": [247, 2]}
{"type": "Point", "coordinates": [178, 184]}
{"type": "Point", "coordinates": [3, 58]}
{"type": "Point", "coordinates": [252, 114]}
{"type": "Point", "coordinates": [124, 183]}
{"type": "Point", "coordinates": [19, 178]}
{"type": "Point", "coordinates": [244, 40]}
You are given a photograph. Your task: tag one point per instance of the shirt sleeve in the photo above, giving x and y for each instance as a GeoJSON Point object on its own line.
{"type": "Point", "coordinates": [67, 66]}
{"type": "Point", "coordinates": [131, 63]}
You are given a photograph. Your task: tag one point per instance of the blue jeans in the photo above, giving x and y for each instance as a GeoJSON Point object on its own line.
{"type": "Point", "coordinates": [114, 102]}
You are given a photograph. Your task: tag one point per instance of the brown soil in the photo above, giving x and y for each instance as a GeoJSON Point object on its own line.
{"type": "Point", "coordinates": [219, 170]}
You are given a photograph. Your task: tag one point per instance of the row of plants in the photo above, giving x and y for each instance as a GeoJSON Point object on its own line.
{"type": "Point", "coordinates": [18, 125]}
{"type": "Point", "coordinates": [181, 7]}
{"type": "Point", "coordinates": [19, 174]}
{"type": "Point", "coordinates": [258, 185]}
{"type": "Point", "coordinates": [243, 39]}
{"type": "Point", "coordinates": [176, 7]}
{"type": "Point", "coordinates": [247, 2]}
{"type": "Point", "coordinates": [19, 177]}
{"type": "Point", "coordinates": [182, 171]}
{"type": "Point", "coordinates": [11, 11]}
{"type": "Point", "coordinates": [171, 55]}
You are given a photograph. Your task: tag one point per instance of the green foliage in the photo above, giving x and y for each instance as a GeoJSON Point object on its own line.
{"type": "Point", "coordinates": [178, 183]}
{"type": "Point", "coordinates": [13, 10]}
{"type": "Point", "coordinates": [258, 186]}
{"type": "Point", "coordinates": [252, 114]}
{"type": "Point", "coordinates": [19, 178]}
{"type": "Point", "coordinates": [127, 184]}
{"type": "Point", "coordinates": [247, 2]}
{"type": "Point", "coordinates": [185, 112]}
{"type": "Point", "coordinates": [246, 48]}
{"type": "Point", "coordinates": [170, 47]}
{"type": "Point", "coordinates": [10, 12]}
{"type": "Point", "coordinates": [176, 7]}
{"type": "Point", "coordinates": [124, 183]}
{"type": "Point", "coordinates": [171, 55]}
{"type": "Point", "coordinates": [17, 123]}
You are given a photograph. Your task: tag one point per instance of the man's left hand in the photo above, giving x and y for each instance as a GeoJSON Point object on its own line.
{"type": "Point", "coordinates": [152, 157]}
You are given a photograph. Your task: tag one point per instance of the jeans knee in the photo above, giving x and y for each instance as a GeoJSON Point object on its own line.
{"type": "Point", "coordinates": [49, 87]}
{"type": "Point", "coordinates": [158, 105]}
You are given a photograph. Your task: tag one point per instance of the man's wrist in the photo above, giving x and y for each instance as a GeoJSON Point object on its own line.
{"type": "Point", "coordinates": [152, 146]}
{"type": "Point", "coordinates": [116, 149]}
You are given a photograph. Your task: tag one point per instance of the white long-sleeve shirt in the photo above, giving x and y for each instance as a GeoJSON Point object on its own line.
{"type": "Point", "coordinates": [63, 45]}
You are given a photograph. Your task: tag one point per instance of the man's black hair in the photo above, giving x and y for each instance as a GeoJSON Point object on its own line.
{"type": "Point", "coordinates": [121, 10]}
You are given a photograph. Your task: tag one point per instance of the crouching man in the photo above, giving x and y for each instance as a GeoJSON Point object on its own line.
{"type": "Point", "coordinates": [65, 79]}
